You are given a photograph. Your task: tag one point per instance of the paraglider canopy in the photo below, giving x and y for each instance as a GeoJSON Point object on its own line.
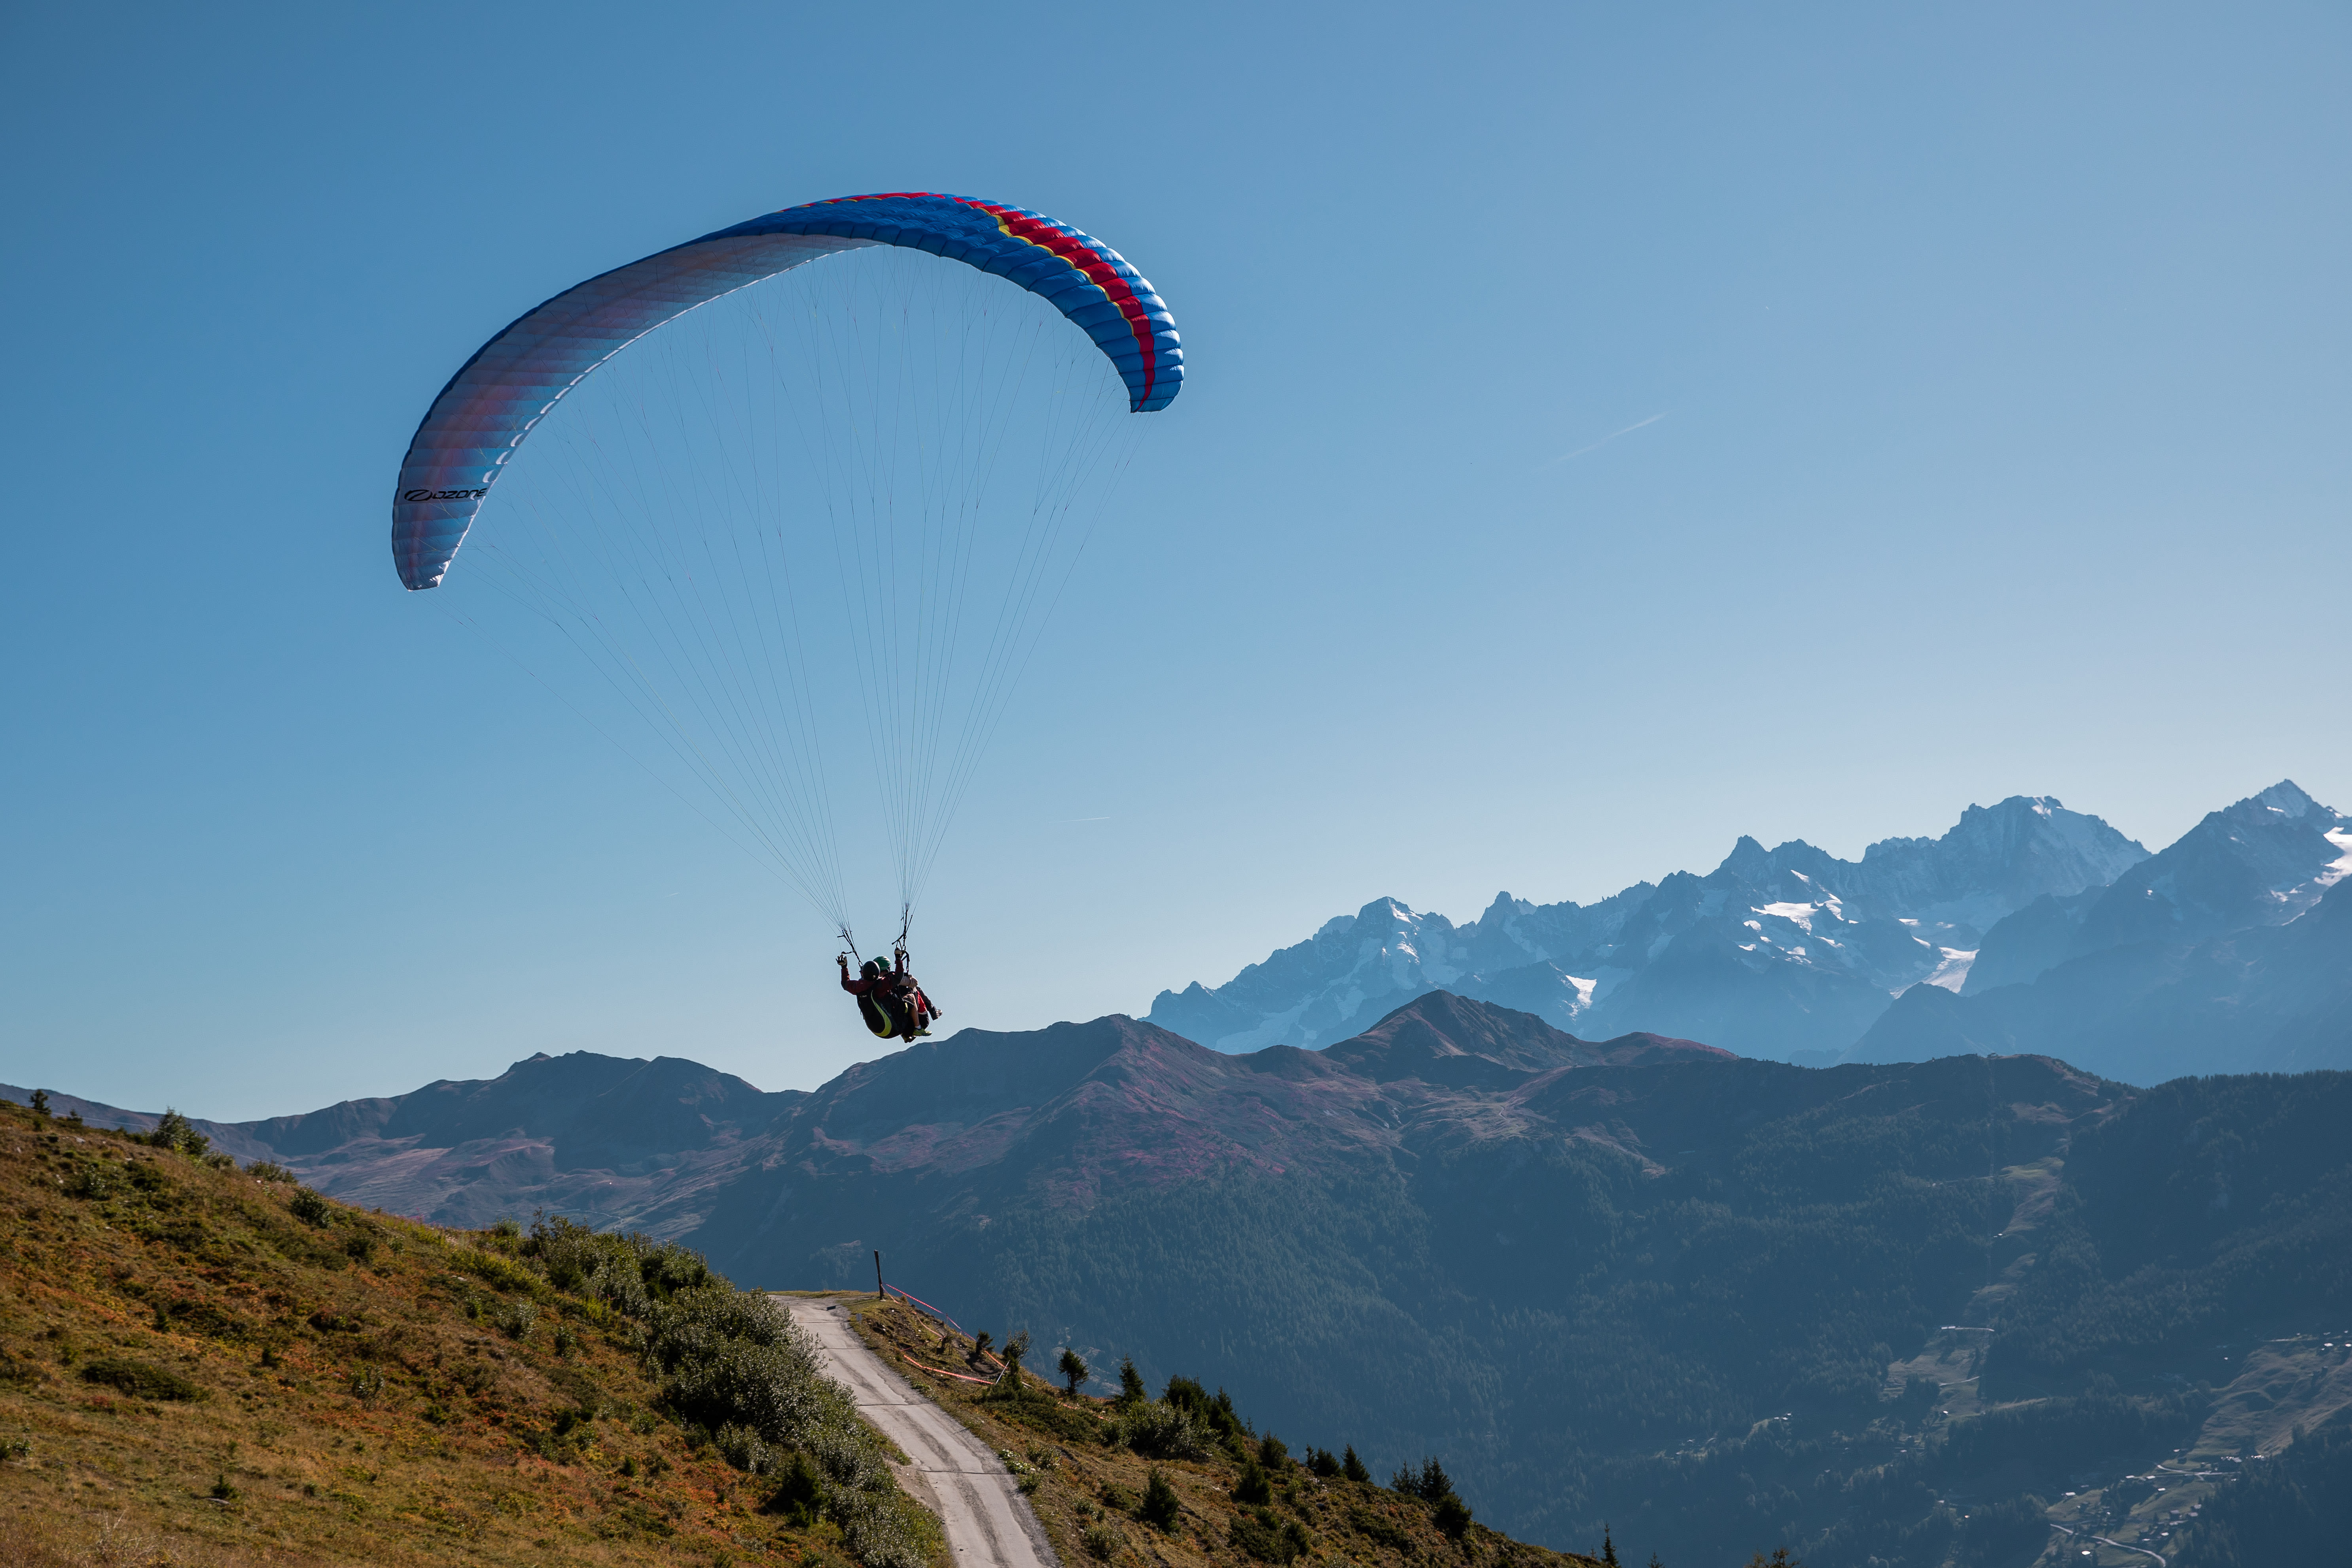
{"type": "Point", "coordinates": [816, 502]}
{"type": "Point", "coordinates": [483, 414]}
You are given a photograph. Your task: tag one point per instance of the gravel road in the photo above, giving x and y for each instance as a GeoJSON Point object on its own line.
{"type": "Point", "coordinates": [989, 1523]}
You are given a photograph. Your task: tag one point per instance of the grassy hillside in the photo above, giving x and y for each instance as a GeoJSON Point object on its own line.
{"type": "Point", "coordinates": [206, 1365]}
{"type": "Point", "coordinates": [202, 1365]}
{"type": "Point", "coordinates": [1094, 1469]}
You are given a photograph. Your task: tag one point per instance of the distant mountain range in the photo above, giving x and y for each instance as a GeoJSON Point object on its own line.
{"type": "Point", "coordinates": [1793, 955]}
{"type": "Point", "coordinates": [2231, 951]}
{"type": "Point", "coordinates": [1717, 1301]}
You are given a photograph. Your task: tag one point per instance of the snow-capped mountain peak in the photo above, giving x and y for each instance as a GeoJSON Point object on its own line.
{"type": "Point", "coordinates": [1774, 952]}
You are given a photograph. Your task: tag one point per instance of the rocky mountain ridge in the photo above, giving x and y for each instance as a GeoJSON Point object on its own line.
{"type": "Point", "coordinates": [599, 1139]}
{"type": "Point", "coordinates": [654, 1145]}
{"type": "Point", "coordinates": [1786, 952]}
{"type": "Point", "coordinates": [2231, 951]}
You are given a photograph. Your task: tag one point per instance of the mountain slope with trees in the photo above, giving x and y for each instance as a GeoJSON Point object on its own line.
{"type": "Point", "coordinates": [1182, 1480]}
{"type": "Point", "coordinates": [200, 1365]}
{"type": "Point", "coordinates": [1890, 1313]}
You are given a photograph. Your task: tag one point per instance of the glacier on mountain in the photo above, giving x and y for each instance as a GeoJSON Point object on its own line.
{"type": "Point", "coordinates": [1787, 953]}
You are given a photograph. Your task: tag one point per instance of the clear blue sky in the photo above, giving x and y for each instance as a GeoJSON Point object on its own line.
{"type": "Point", "coordinates": [1609, 430]}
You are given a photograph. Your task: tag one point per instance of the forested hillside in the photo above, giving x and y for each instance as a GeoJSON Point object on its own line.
{"type": "Point", "coordinates": [1870, 1312]}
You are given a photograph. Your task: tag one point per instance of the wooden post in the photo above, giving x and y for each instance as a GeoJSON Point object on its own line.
{"type": "Point", "coordinates": [879, 1294]}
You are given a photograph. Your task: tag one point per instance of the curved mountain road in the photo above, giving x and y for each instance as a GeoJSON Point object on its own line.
{"type": "Point", "coordinates": [989, 1523]}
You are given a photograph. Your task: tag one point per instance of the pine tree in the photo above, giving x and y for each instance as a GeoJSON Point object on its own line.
{"type": "Point", "coordinates": [1074, 1370]}
{"type": "Point", "coordinates": [1353, 1468]}
{"type": "Point", "coordinates": [1015, 1349]}
{"type": "Point", "coordinates": [1161, 1507]}
{"type": "Point", "coordinates": [174, 1130]}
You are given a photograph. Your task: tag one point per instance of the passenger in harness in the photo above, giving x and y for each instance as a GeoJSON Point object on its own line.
{"type": "Point", "coordinates": [889, 999]}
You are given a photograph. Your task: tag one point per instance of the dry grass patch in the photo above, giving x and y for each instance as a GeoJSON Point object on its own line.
{"type": "Point", "coordinates": [205, 1367]}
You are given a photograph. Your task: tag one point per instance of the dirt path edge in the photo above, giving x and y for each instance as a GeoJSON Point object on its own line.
{"type": "Point", "coordinates": [988, 1523]}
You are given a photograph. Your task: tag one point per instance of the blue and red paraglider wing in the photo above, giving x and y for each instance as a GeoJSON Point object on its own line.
{"type": "Point", "coordinates": [515, 379]}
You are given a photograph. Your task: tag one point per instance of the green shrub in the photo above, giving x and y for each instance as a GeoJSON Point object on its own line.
{"type": "Point", "coordinates": [93, 1180]}
{"type": "Point", "coordinates": [517, 1322]}
{"type": "Point", "coordinates": [499, 1273]}
{"type": "Point", "coordinates": [139, 1378]}
{"type": "Point", "coordinates": [1214, 1416]}
{"type": "Point", "coordinates": [1100, 1541]}
{"type": "Point", "coordinates": [174, 1130]}
{"type": "Point", "coordinates": [628, 1273]}
{"type": "Point", "coordinates": [1253, 1487]}
{"type": "Point", "coordinates": [799, 1497]}
{"type": "Point", "coordinates": [268, 1170]}
{"type": "Point", "coordinates": [1159, 1431]}
{"type": "Point", "coordinates": [1259, 1536]}
{"type": "Point", "coordinates": [1381, 1532]}
{"type": "Point", "coordinates": [1161, 1507]}
{"type": "Point", "coordinates": [359, 1248]}
{"type": "Point", "coordinates": [734, 1360]}
{"type": "Point", "coordinates": [1453, 1516]}
{"type": "Point", "coordinates": [1273, 1452]}
{"type": "Point", "coordinates": [308, 1207]}
{"type": "Point", "coordinates": [743, 1449]}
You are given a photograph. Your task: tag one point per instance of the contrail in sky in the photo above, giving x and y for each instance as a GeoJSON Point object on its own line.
{"type": "Point", "coordinates": [1629, 429]}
